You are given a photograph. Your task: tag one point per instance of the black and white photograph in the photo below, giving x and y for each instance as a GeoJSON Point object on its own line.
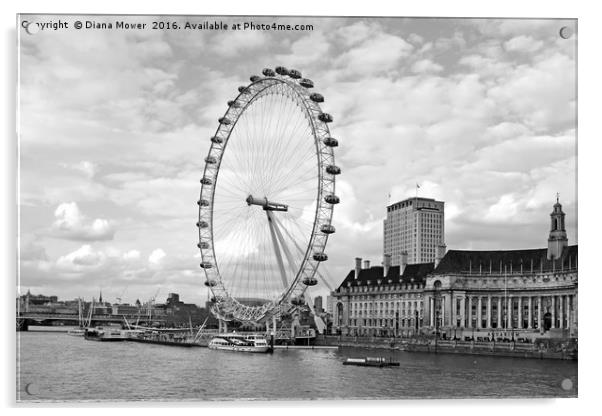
{"type": "Point", "coordinates": [218, 208]}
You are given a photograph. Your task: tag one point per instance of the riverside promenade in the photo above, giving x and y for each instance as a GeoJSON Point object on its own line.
{"type": "Point", "coordinates": [543, 348]}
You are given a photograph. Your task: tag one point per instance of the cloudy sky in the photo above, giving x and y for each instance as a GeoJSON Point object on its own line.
{"type": "Point", "coordinates": [114, 126]}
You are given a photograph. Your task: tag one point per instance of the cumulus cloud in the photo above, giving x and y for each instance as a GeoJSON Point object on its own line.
{"type": "Point", "coordinates": [156, 256]}
{"type": "Point", "coordinates": [83, 257]}
{"type": "Point", "coordinates": [523, 43]}
{"type": "Point", "coordinates": [426, 65]}
{"type": "Point", "coordinates": [71, 224]}
{"type": "Point", "coordinates": [368, 59]}
{"type": "Point", "coordinates": [86, 167]}
{"type": "Point", "coordinates": [131, 255]}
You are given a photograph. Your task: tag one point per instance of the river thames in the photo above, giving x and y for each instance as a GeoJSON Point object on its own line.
{"type": "Point", "coordinates": [59, 367]}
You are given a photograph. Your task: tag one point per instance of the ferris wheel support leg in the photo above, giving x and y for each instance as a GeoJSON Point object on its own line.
{"type": "Point", "coordinates": [287, 252]}
{"type": "Point", "coordinates": [277, 249]}
{"type": "Point", "coordinates": [301, 251]}
{"type": "Point", "coordinates": [320, 325]}
{"type": "Point", "coordinates": [273, 337]}
{"type": "Point", "coordinates": [223, 326]}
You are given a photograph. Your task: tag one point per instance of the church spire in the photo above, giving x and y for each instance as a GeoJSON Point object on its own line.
{"type": "Point", "coordinates": [557, 240]}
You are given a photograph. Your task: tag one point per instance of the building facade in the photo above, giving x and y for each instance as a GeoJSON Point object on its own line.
{"type": "Point", "coordinates": [464, 294]}
{"type": "Point", "coordinates": [507, 294]}
{"type": "Point", "coordinates": [381, 300]}
{"type": "Point", "coordinates": [416, 227]}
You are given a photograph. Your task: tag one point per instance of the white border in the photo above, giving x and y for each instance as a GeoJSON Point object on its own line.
{"type": "Point", "coordinates": [589, 172]}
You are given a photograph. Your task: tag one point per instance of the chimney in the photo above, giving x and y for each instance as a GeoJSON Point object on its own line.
{"type": "Point", "coordinates": [404, 262]}
{"type": "Point", "coordinates": [366, 264]}
{"type": "Point", "coordinates": [440, 253]}
{"type": "Point", "coordinates": [386, 264]}
{"type": "Point", "coordinates": [358, 266]}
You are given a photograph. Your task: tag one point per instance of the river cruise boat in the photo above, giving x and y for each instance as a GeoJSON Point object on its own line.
{"type": "Point", "coordinates": [240, 342]}
{"type": "Point", "coordinates": [108, 334]}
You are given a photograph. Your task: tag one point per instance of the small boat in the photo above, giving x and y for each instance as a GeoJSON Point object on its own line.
{"type": "Point", "coordinates": [239, 342]}
{"type": "Point", "coordinates": [106, 334]}
{"type": "Point", "coordinates": [371, 362]}
{"type": "Point", "coordinates": [82, 323]}
{"type": "Point", "coordinates": [76, 332]}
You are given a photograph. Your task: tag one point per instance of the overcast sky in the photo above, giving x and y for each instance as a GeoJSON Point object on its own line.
{"type": "Point", "coordinates": [114, 126]}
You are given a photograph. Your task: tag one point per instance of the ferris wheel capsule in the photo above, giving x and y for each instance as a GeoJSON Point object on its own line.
{"type": "Point", "coordinates": [308, 83]}
{"type": "Point", "coordinates": [280, 70]}
{"type": "Point", "coordinates": [211, 160]}
{"type": "Point", "coordinates": [210, 283]}
{"type": "Point", "coordinates": [206, 181]}
{"type": "Point", "coordinates": [243, 89]}
{"type": "Point", "coordinates": [226, 120]}
{"type": "Point", "coordinates": [320, 257]}
{"type": "Point", "coordinates": [234, 104]}
{"type": "Point", "coordinates": [331, 199]}
{"type": "Point", "coordinates": [327, 229]}
{"type": "Point", "coordinates": [268, 72]}
{"type": "Point", "coordinates": [202, 203]}
{"type": "Point", "coordinates": [330, 142]}
{"type": "Point", "coordinates": [202, 224]}
{"type": "Point", "coordinates": [294, 74]}
{"type": "Point", "coordinates": [333, 170]}
{"type": "Point", "coordinates": [206, 265]}
{"type": "Point", "coordinates": [217, 140]}
{"type": "Point", "coordinates": [203, 245]}
{"type": "Point", "coordinates": [317, 98]}
{"type": "Point", "coordinates": [298, 301]}
{"type": "Point", "coordinates": [310, 281]}
{"type": "Point", "coordinates": [325, 117]}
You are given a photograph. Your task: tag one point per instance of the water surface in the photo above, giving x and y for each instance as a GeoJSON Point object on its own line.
{"type": "Point", "coordinates": [56, 366]}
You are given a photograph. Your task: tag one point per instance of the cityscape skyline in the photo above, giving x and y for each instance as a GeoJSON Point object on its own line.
{"type": "Point", "coordinates": [479, 112]}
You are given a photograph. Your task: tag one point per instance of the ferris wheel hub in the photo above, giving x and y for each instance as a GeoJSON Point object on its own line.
{"type": "Point", "coordinates": [267, 205]}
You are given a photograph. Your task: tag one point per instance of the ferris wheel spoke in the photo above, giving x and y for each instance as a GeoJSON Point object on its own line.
{"type": "Point", "coordinates": [291, 170]}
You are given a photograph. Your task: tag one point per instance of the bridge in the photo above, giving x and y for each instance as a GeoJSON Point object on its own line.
{"type": "Point", "coordinates": [24, 319]}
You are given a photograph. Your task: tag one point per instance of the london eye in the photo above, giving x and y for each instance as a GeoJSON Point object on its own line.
{"type": "Point", "coordinates": [267, 197]}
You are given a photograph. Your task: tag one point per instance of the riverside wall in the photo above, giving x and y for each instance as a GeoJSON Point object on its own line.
{"type": "Point", "coordinates": [544, 348]}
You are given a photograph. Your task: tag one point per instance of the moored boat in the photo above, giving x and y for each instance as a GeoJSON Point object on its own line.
{"type": "Point", "coordinates": [238, 342]}
{"type": "Point", "coordinates": [107, 334]}
{"type": "Point", "coordinates": [371, 362]}
{"type": "Point", "coordinates": [76, 332]}
{"type": "Point", "coordinates": [164, 338]}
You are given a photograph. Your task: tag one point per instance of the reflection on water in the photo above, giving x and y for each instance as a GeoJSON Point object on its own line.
{"type": "Point", "coordinates": [56, 366]}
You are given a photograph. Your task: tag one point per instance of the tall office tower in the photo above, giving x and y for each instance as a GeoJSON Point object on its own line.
{"type": "Point", "coordinates": [318, 304]}
{"type": "Point", "coordinates": [414, 226]}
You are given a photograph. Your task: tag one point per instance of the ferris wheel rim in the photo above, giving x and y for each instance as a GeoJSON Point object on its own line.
{"type": "Point", "coordinates": [323, 211]}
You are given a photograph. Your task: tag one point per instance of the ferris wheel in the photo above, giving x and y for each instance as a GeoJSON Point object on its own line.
{"type": "Point", "coordinates": [267, 197]}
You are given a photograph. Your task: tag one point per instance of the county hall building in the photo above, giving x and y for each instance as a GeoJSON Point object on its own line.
{"type": "Point", "coordinates": [466, 294]}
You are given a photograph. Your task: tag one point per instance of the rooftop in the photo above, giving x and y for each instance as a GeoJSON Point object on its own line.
{"type": "Point", "coordinates": [504, 261]}
{"type": "Point", "coordinates": [413, 273]}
